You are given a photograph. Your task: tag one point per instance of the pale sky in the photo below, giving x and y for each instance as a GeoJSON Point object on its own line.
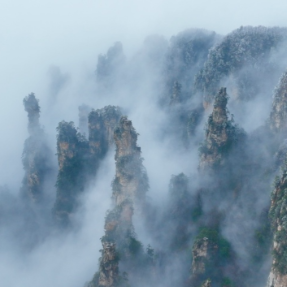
{"type": "Point", "coordinates": [37, 33]}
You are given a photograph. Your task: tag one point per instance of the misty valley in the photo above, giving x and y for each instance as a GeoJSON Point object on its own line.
{"type": "Point", "coordinates": [173, 174]}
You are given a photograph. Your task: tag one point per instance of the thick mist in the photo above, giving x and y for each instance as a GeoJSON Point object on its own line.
{"type": "Point", "coordinates": [54, 50]}
{"type": "Point", "coordinates": [35, 251]}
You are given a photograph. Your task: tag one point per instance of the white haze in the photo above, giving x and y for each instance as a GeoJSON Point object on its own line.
{"type": "Point", "coordinates": [36, 35]}
{"type": "Point", "coordinates": [39, 36]}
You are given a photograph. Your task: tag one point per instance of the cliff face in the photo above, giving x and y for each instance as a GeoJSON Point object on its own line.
{"type": "Point", "coordinates": [72, 154]}
{"type": "Point", "coordinates": [278, 116]}
{"type": "Point", "coordinates": [116, 242]}
{"type": "Point", "coordinates": [203, 252]}
{"type": "Point", "coordinates": [36, 154]}
{"type": "Point", "coordinates": [109, 270]}
{"type": "Point", "coordinates": [97, 142]}
{"type": "Point", "coordinates": [111, 116]}
{"type": "Point", "coordinates": [276, 280]}
{"type": "Point", "coordinates": [278, 216]}
{"type": "Point", "coordinates": [129, 186]}
{"type": "Point", "coordinates": [211, 258]}
{"type": "Point", "coordinates": [131, 180]}
{"type": "Point", "coordinates": [221, 133]}
{"type": "Point", "coordinates": [79, 158]}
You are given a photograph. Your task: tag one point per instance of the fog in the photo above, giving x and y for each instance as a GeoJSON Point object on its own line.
{"type": "Point", "coordinates": [61, 259]}
{"type": "Point", "coordinates": [51, 48]}
{"type": "Point", "coordinates": [70, 34]}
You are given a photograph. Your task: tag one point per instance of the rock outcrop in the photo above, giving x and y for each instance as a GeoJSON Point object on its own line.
{"type": "Point", "coordinates": [109, 270]}
{"type": "Point", "coordinates": [278, 115]}
{"type": "Point", "coordinates": [129, 188]}
{"type": "Point", "coordinates": [131, 180]}
{"type": "Point", "coordinates": [221, 133]}
{"type": "Point", "coordinates": [79, 158]}
{"type": "Point", "coordinates": [276, 280]}
{"type": "Point", "coordinates": [211, 257]}
{"type": "Point", "coordinates": [72, 151]}
{"type": "Point", "coordinates": [36, 154]}
{"type": "Point", "coordinates": [278, 217]}
{"type": "Point", "coordinates": [207, 283]}
{"type": "Point", "coordinates": [203, 253]}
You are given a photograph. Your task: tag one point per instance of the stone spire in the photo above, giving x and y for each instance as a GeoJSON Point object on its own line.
{"type": "Point", "coordinates": [129, 188]}
{"type": "Point", "coordinates": [221, 133]}
{"type": "Point", "coordinates": [36, 154]}
{"type": "Point", "coordinates": [32, 107]}
{"type": "Point", "coordinates": [131, 181]}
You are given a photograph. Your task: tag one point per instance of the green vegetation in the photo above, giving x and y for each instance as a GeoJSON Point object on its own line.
{"type": "Point", "coordinates": [278, 219]}
{"type": "Point", "coordinates": [227, 282]}
{"type": "Point", "coordinates": [221, 133]}
{"type": "Point", "coordinates": [223, 246]}
{"type": "Point", "coordinates": [72, 156]}
{"type": "Point", "coordinates": [135, 247]}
